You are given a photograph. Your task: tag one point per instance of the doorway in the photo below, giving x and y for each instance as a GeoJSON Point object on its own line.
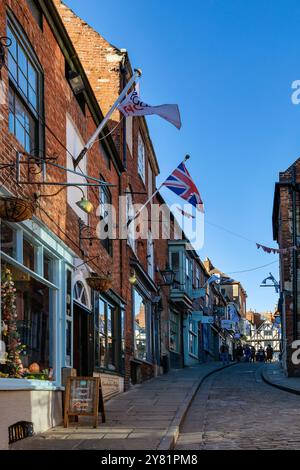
{"type": "Point", "coordinates": [83, 341]}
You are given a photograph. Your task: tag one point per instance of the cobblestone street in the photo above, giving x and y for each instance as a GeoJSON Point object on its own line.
{"type": "Point", "coordinates": [235, 409]}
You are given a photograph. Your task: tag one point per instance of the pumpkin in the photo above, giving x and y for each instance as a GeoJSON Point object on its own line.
{"type": "Point", "coordinates": [34, 368]}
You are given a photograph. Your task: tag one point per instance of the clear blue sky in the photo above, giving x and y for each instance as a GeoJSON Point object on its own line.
{"type": "Point", "coordinates": [229, 64]}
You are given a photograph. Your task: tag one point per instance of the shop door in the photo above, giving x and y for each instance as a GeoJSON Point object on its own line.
{"type": "Point", "coordinates": [82, 358]}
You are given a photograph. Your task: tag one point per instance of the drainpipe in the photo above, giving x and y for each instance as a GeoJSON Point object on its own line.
{"type": "Point", "coordinates": [295, 255]}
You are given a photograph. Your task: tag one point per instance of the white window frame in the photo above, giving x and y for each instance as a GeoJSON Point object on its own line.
{"type": "Point", "coordinates": [141, 158]}
{"type": "Point", "coordinates": [131, 241]}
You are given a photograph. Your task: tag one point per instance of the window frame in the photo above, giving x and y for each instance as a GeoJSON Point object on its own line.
{"type": "Point", "coordinates": [116, 336]}
{"type": "Point", "coordinates": [37, 114]}
{"type": "Point", "coordinates": [104, 192]}
{"type": "Point", "coordinates": [148, 329]}
{"type": "Point", "coordinates": [141, 160]}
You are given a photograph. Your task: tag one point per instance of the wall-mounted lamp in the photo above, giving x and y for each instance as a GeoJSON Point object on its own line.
{"type": "Point", "coordinates": [274, 283]}
{"type": "Point", "coordinates": [84, 204]}
{"type": "Point", "coordinates": [76, 82]}
{"type": "Point", "coordinates": [168, 275]}
{"type": "Point", "coordinates": [132, 278]}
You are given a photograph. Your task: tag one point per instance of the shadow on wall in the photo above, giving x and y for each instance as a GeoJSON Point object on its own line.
{"type": "Point", "coordinates": [43, 408]}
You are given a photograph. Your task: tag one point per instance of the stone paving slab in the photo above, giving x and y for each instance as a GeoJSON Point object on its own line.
{"type": "Point", "coordinates": [274, 375]}
{"type": "Point", "coordinates": [146, 417]}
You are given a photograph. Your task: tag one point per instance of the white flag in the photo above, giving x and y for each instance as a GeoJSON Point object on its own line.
{"type": "Point", "coordinates": [214, 278]}
{"type": "Point", "coordinates": [132, 105]}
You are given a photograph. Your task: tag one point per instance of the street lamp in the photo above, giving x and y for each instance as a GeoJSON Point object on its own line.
{"type": "Point", "coordinates": [76, 82]}
{"type": "Point", "coordinates": [274, 283]}
{"type": "Point", "coordinates": [168, 275]}
{"type": "Point", "coordinates": [84, 204]}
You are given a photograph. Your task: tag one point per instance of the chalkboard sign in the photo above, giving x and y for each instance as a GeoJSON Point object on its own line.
{"type": "Point", "coordinates": [83, 397]}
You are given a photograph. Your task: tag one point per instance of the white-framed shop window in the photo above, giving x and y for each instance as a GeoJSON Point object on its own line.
{"type": "Point", "coordinates": [69, 319]}
{"type": "Point", "coordinates": [33, 272]}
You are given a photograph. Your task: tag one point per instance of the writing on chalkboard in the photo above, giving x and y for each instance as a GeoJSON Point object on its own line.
{"type": "Point", "coordinates": [82, 398]}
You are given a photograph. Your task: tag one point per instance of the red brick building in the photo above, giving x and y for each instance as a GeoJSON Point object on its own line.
{"type": "Point", "coordinates": [108, 69]}
{"type": "Point", "coordinates": [286, 233]}
{"type": "Point", "coordinates": [61, 321]}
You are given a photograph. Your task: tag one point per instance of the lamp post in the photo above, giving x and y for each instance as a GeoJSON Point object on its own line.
{"type": "Point", "coordinates": [274, 283]}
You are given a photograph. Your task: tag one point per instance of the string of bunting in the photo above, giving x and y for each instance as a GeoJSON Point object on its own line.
{"type": "Point", "coordinates": [266, 249]}
{"type": "Point", "coordinates": [281, 251]}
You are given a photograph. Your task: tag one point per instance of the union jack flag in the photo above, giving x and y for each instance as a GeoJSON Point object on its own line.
{"type": "Point", "coordinates": [181, 183]}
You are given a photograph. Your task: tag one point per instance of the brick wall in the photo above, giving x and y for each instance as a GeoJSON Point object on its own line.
{"type": "Point", "coordinates": [285, 240]}
{"type": "Point", "coordinates": [103, 63]}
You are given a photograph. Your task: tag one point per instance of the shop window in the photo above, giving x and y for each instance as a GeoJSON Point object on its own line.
{"type": "Point", "coordinates": [193, 338]}
{"type": "Point", "coordinates": [122, 368]}
{"type": "Point", "coordinates": [140, 327]}
{"type": "Point", "coordinates": [28, 254]}
{"type": "Point", "coordinates": [69, 318]}
{"type": "Point", "coordinates": [174, 332]}
{"type": "Point", "coordinates": [8, 240]}
{"type": "Point", "coordinates": [27, 317]}
{"type": "Point", "coordinates": [105, 336]}
{"type": "Point", "coordinates": [48, 267]}
{"type": "Point", "coordinates": [25, 79]}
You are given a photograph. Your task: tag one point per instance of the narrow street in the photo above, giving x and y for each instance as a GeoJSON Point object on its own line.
{"type": "Point", "coordinates": [235, 409]}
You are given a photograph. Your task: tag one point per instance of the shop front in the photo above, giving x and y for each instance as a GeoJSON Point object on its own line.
{"type": "Point", "coordinates": [146, 327]}
{"type": "Point", "coordinates": [34, 270]}
{"type": "Point", "coordinates": [95, 332]}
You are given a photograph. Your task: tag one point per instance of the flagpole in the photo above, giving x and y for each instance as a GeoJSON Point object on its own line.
{"type": "Point", "coordinates": [187, 157]}
{"type": "Point", "coordinates": [89, 144]}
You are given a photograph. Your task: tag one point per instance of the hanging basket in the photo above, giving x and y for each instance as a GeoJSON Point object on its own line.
{"type": "Point", "coordinates": [16, 209]}
{"type": "Point", "coordinates": [100, 283]}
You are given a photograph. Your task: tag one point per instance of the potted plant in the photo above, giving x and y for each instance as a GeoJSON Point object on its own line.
{"type": "Point", "coordinates": [100, 282]}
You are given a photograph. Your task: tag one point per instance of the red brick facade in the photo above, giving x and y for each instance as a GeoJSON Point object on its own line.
{"type": "Point", "coordinates": [286, 233]}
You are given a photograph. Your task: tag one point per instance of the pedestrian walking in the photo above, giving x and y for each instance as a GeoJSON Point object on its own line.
{"type": "Point", "coordinates": [224, 354]}
{"type": "Point", "coordinates": [269, 353]}
{"type": "Point", "coordinates": [261, 354]}
{"type": "Point", "coordinates": [253, 354]}
{"type": "Point", "coordinates": [247, 353]}
{"type": "Point", "coordinates": [239, 353]}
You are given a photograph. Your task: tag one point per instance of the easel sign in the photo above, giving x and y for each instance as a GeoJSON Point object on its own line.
{"type": "Point", "coordinates": [82, 398]}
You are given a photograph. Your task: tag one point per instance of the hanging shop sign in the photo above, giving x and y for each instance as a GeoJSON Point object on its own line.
{"type": "Point", "coordinates": [208, 320]}
{"type": "Point", "coordinates": [84, 398]}
{"type": "Point", "coordinates": [197, 293]}
{"type": "Point", "coordinates": [227, 325]}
